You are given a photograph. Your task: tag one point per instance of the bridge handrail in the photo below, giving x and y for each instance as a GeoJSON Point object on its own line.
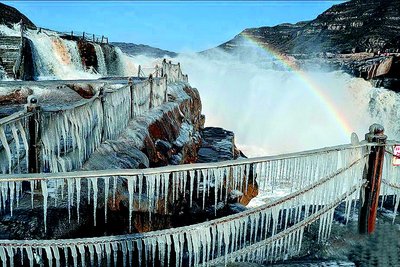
{"type": "Point", "coordinates": [15, 117]}
{"type": "Point", "coordinates": [156, 95]}
{"type": "Point", "coordinates": [70, 106]}
{"type": "Point", "coordinates": [183, 229]}
{"type": "Point", "coordinates": [263, 244]}
{"type": "Point", "coordinates": [174, 168]}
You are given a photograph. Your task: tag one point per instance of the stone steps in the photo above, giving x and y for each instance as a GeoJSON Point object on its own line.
{"type": "Point", "coordinates": [9, 52]}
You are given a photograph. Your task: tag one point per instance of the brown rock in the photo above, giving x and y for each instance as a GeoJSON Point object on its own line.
{"type": "Point", "coordinates": [18, 96]}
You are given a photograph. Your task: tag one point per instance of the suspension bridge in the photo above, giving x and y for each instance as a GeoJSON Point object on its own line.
{"type": "Point", "coordinates": [43, 147]}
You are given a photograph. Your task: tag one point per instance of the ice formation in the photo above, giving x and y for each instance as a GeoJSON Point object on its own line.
{"type": "Point", "coordinates": [266, 233]}
{"type": "Point", "coordinates": [391, 180]}
{"type": "Point", "coordinates": [319, 180]}
{"type": "Point", "coordinates": [14, 146]}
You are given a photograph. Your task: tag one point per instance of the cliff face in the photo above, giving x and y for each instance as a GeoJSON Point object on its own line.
{"type": "Point", "coordinates": [139, 49]}
{"type": "Point", "coordinates": [358, 25]}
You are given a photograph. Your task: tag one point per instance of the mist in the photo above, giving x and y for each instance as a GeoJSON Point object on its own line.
{"type": "Point", "coordinates": [276, 111]}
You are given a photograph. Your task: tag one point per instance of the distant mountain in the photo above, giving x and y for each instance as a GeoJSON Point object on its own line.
{"type": "Point", "coordinates": [357, 25]}
{"type": "Point", "coordinates": [10, 16]}
{"type": "Point", "coordinates": [139, 49]}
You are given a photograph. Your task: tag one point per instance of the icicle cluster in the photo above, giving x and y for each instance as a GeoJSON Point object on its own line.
{"type": "Point", "coordinates": [70, 136]}
{"type": "Point", "coordinates": [269, 232]}
{"type": "Point", "coordinates": [299, 172]}
{"type": "Point", "coordinates": [14, 147]}
{"type": "Point", "coordinates": [117, 111]}
{"type": "Point", "coordinates": [390, 180]}
{"type": "Point", "coordinates": [140, 98]}
{"type": "Point", "coordinates": [159, 92]}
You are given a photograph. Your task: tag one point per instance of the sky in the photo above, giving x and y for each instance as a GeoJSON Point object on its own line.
{"type": "Point", "coordinates": [180, 26]}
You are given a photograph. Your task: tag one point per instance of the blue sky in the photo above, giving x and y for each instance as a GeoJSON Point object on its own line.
{"type": "Point", "coordinates": [172, 25]}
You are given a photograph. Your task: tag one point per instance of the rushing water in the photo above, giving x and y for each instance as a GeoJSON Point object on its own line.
{"type": "Point", "coordinates": [55, 58]}
{"type": "Point", "coordinates": [274, 112]}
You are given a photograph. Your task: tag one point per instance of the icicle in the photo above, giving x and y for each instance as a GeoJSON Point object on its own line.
{"type": "Point", "coordinates": [140, 177]}
{"type": "Point", "coordinates": [6, 147]}
{"type": "Point", "coordinates": [49, 255]}
{"type": "Point", "coordinates": [139, 250]}
{"type": "Point", "coordinates": [29, 253]}
{"type": "Point", "coordinates": [114, 246]}
{"type": "Point", "coordinates": [78, 196]}
{"type": "Point", "coordinates": [191, 173]}
{"type": "Point", "coordinates": [91, 254]}
{"type": "Point", "coordinates": [24, 141]}
{"type": "Point", "coordinates": [108, 253]}
{"type": "Point", "coordinates": [45, 194]}
{"type": "Point", "coordinates": [124, 251]}
{"type": "Point", "coordinates": [95, 190]}
{"type": "Point", "coordinates": [16, 141]}
{"type": "Point", "coordinates": [165, 178]}
{"type": "Point", "coordinates": [130, 191]}
{"type": "Point", "coordinates": [89, 189]}
{"type": "Point", "coordinates": [204, 174]}
{"type": "Point", "coordinates": [177, 246]}
{"type": "Point", "coordinates": [99, 253]}
{"type": "Point", "coordinates": [115, 181]}
{"type": "Point", "coordinates": [3, 256]}
{"type": "Point", "coordinates": [12, 192]}
{"type": "Point", "coordinates": [10, 253]}
{"type": "Point", "coordinates": [106, 189]}
{"type": "Point", "coordinates": [56, 255]}
{"type": "Point", "coordinates": [70, 190]}
{"type": "Point", "coordinates": [169, 242]}
{"type": "Point", "coordinates": [81, 249]}
{"type": "Point", "coordinates": [74, 254]}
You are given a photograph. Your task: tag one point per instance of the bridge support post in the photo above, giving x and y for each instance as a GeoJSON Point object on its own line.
{"type": "Point", "coordinates": [130, 83]}
{"type": "Point", "coordinates": [373, 174]}
{"type": "Point", "coordinates": [151, 91]}
{"type": "Point", "coordinates": [34, 135]}
{"type": "Point", "coordinates": [102, 95]}
{"type": "Point", "coordinates": [166, 88]}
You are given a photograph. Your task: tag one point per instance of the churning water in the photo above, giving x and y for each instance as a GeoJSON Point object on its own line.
{"type": "Point", "coordinates": [273, 111]}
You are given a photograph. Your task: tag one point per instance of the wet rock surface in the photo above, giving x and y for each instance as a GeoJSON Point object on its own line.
{"type": "Point", "coordinates": [217, 145]}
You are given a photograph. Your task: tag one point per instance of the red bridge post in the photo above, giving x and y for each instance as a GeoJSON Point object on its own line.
{"type": "Point", "coordinates": [373, 174]}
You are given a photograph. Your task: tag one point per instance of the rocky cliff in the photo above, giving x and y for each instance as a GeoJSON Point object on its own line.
{"type": "Point", "coordinates": [10, 16]}
{"type": "Point", "coordinates": [140, 49]}
{"type": "Point", "coordinates": [358, 25]}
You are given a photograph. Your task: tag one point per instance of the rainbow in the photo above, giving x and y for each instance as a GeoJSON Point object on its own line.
{"type": "Point", "coordinates": [314, 88]}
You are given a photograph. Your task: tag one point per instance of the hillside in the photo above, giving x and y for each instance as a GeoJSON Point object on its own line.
{"type": "Point", "coordinates": [358, 25]}
{"type": "Point", "coordinates": [139, 49]}
{"type": "Point", "coordinates": [10, 15]}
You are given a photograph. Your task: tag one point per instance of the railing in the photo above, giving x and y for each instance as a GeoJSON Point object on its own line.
{"type": "Point", "coordinates": [319, 180]}
{"type": "Point", "coordinates": [89, 37]}
{"type": "Point", "coordinates": [339, 167]}
{"type": "Point", "coordinates": [64, 137]}
{"type": "Point", "coordinates": [172, 71]}
{"type": "Point", "coordinates": [391, 177]}
{"type": "Point", "coordinates": [14, 137]}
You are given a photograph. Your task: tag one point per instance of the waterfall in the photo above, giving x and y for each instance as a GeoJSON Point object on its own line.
{"type": "Point", "coordinates": [102, 68]}
{"type": "Point", "coordinates": [3, 74]}
{"type": "Point", "coordinates": [273, 112]}
{"type": "Point", "coordinates": [126, 65]}
{"type": "Point", "coordinates": [56, 58]}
